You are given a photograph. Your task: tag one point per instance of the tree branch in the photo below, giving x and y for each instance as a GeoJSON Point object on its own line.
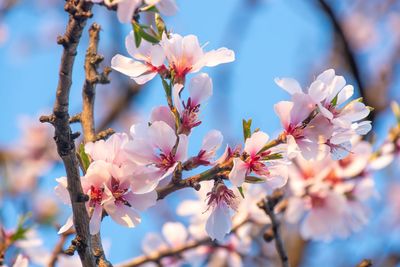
{"type": "Point", "coordinates": [79, 12]}
{"type": "Point", "coordinates": [92, 78]}
{"type": "Point", "coordinates": [194, 181]}
{"type": "Point", "coordinates": [158, 255]}
{"type": "Point", "coordinates": [350, 56]}
{"type": "Point", "coordinates": [267, 205]}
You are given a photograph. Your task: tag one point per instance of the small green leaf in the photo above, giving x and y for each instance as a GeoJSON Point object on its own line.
{"type": "Point", "coordinates": [148, 37]}
{"type": "Point", "coordinates": [167, 87]}
{"type": "Point", "coordinates": [160, 24]}
{"type": "Point", "coordinates": [334, 100]}
{"type": "Point", "coordinates": [241, 191]}
{"type": "Point", "coordinates": [254, 180]}
{"type": "Point", "coordinates": [246, 129]}
{"type": "Point", "coordinates": [273, 156]}
{"type": "Point", "coordinates": [136, 34]}
{"type": "Point", "coordinates": [21, 229]}
{"type": "Point", "coordinates": [84, 157]}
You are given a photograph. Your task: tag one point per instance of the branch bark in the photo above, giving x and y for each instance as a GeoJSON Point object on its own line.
{"type": "Point", "coordinates": [79, 12]}
{"type": "Point", "coordinates": [92, 78]}
{"type": "Point", "coordinates": [158, 255]}
{"type": "Point", "coordinates": [194, 180]}
{"type": "Point", "coordinates": [267, 205]}
{"type": "Point", "coordinates": [350, 56]}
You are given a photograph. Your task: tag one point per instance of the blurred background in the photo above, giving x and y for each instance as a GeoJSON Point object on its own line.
{"type": "Point", "coordinates": [275, 38]}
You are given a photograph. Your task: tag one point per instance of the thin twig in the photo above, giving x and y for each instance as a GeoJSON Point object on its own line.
{"type": "Point", "coordinates": [267, 205]}
{"type": "Point", "coordinates": [158, 255]}
{"type": "Point", "coordinates": [92, 78]}
{"type": "Point", "coordinates": [194, 181]}
{"type": "Point", "coordinates": [350, 56]}
{"type": "Point", "coordinates": [59, 248]}
{"type": "Point", "coordinates": [79, 12]}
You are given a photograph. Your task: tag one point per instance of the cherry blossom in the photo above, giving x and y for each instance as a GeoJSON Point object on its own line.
{"type": "Point", "coordinates": [256, 161]}
{"type": "Point", "coordinates": [222, 202]}
{"type": "Point", "coordinates": [185, 55]}
{"type": "Point", "coordinates": [200, 90]}
{"type": "Point", "coordinates": [328, 196]}
{"type": "Point", "coordinates": [148, 60]}
{"type": "Point", "coordinates": [157, 146]}
{"type": "Point", "coordinates": [111, 193]}
{"type": "Point", "coordinates": [325, 98]}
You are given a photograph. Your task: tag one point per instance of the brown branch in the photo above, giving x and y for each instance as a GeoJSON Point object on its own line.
{"type": "Point", "coordinates": [79, 12]}
{"type": "Point", "coordinates": [92, 78]}
{"type": "Point", "coordinates": [158, 255]}
{"type": "Point", "coordinates": [350, 56]}
{"type": "Point", "coordinates": [194, 181]}
{"type": "Point", "coordinates": [267, 205]}
{"type": "Point", "coordinates": [59, 248]}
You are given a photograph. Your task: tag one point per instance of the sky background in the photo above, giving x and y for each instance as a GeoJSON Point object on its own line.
{"type": "Point", "coordinates": [270, 38]}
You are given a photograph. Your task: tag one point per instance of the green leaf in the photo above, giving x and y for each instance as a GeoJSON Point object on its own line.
{"type": "Point", "coordinates": [160, 24]}
{"type": "Point", "coordinates": [136, 34]}
{"type": "Point", "coordinates": [273, 156]}
{"type": "Point", "coordinates": [148, 37]}
{"type": "Point", "coordinates": [334, 100]}
{"type": "Point", "coordinates": [84, 157]}
{"type": "Point", "coordinates": [254, 180]}
{"type": "Point", "coordinates": [246, 129]}
{"type": "Point", "coordinates": [166, 86]}
{"type": "Point", "coordinates": [21, 229]}
{"type": "Point", "coordinates": [241, 191]}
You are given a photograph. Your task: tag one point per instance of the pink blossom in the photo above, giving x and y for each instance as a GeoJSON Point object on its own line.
{"type": "Point", "coordinates": [329, 94]}
{"type": "Point", "coordinates": [111, 193]}
{"type": "Point", "coordinates": [200, 90]}
{"type": "Point", "coordinates": [185, 55]}
{"type": "Point", "coordinates": [307, 139]}
{"type": "Point", "coordinates": [154, 146]}
{"type": "Point", "coordinates": [256, 161]}
{"type": "Point", "coordinates": [222, 202]}
{"type": "Point", "coordinates": [328, 197]}
{"type": "Point", "coordinates": [147, 62]}
{"type": "Point", "coordinates": [113, 150]}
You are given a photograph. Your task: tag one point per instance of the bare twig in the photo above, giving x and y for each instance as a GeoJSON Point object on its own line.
{"type": "Point", "coordinates": [158, 255]}
{"type": "Point", "coordinates": [92, 78]}
{"type": "Point", "coordinates": [79, 12]}
{"type": "Point", "coordinates": [267, 205]}
{"type": "Point", "coordinates": [369, 99]}
{"type": "Point", "coordinates": [194, 181]}
{"type": "Point", "coordinates": [58, 249]}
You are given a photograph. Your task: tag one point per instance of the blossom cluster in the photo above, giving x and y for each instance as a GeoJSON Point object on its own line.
{"type": "Point", "coordinates": [127, 173]}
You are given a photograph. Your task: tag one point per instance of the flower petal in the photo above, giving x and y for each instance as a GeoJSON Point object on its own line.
{"type": "Point", "coordinates": [255, 143]}
{"type": "Point", "coordinates": [128, 66]}
{"type": "Point", "coordinates": [289, 85]}
{"type": "Point", "coordinates": [200, 88]}
{"type": "Point", "coordinates": [238, 172]}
